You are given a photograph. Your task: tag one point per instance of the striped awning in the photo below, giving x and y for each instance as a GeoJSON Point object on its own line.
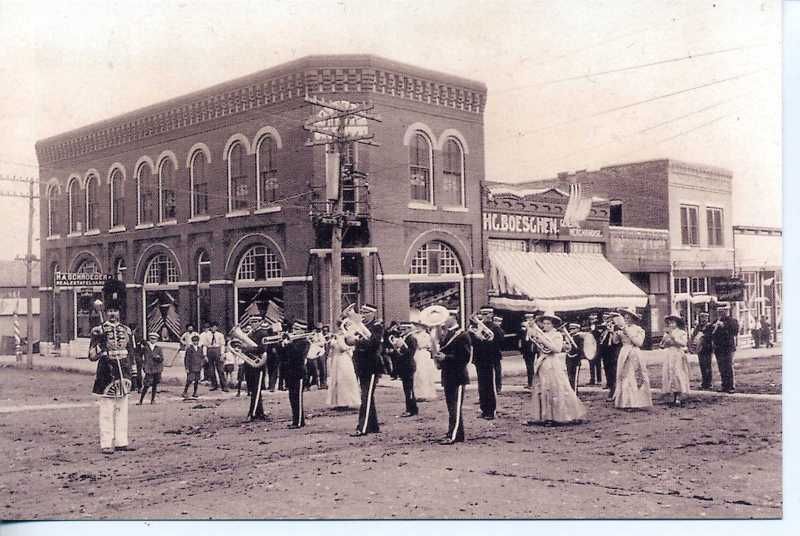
{"type": "Point", "coordinates": [559, 282]}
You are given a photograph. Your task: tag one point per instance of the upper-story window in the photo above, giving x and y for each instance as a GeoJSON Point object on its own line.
{"type": "Point", "coordinates": [689, 226]}
{"type": "Point", "coordinates": [259, 262]}
{"type": "Point", "coordinates": [161, 271]}
{"type": "Point", "coordinates": [74, 193]}
{"type": "Point", "coordinates": [166, 189]}
{"type": "Point", "coordinates": [681, 285]}
{"type": "Point", "coordinates": [699, 285]}
{"type": "Point", "coordinates": [421, 168]}
{"type": "Point", "coordinates": [238, 181]}
{"type": "Point", "coordinates": [199, 183]}
{"type": "Point", "coordinates": [203, 267]}
{"type": "Point", "coordinates": [615, 212]}
{"type": "Point", "coordinates": [52, 210]}
{"type": "Point", "coordinates": [146, 193]}
{"type": "Point", "coordinates": [117, 195]}
{"type": "Point", "coordinates": [91, 202]}
{"type": "Point", "coordinates": [266, 165]}
{"type": "Point", "coordinates": [351, 187]}
{"type": "Point", "coordinates": [453, 173]}
{"type": "Point", "coordinates": [434, 258]}
{"type": "Point", "coordinates": [714, 223]}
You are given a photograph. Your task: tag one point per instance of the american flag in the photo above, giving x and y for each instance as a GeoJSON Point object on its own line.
{"type": "Point", "coordinates": [251, 315]}
{"type": "Point", "coordinates": [578, 206]}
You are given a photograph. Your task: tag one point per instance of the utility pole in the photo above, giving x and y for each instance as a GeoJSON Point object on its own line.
{"type": "Point", "coordinates": [338, 125]}
{"type": "Point", "coordinates": [29, 259]}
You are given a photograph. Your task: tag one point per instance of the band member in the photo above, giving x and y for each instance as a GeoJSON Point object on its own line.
{"type": "Point", "coordinates": [404, 346]}
{"type": "Point", "coordinates": [193, 362]}
{"type": "Point", "coordinates": [552, 398]}
{"type": "Point", "coordinates": [274, 352]}
{"type": "Point", "coordinates": [528, 350]}
{"type": "Point", "coordinates": [135, 358]}
{"type": "Point", "coordinates": [389, 352]}
{"type": "Point", "coordinates": [153, 366]}
{"type": "Point", "coordinates": [595, 365]}
{"type": "Point", "coordinates": [496, 325]}
{"type": "Point", "coordinates": [485, 356]}
{"type": "Point", "coordinates": [213, 343]}
{"type": "Point", "coordinates": [109, 346]}
{"type": "Point", "coordinates": [253, 377]}
{"type": "Point", "coordinates": [344, 390]}
{"type": "Point", "coordinates": [453, 357]}
{"type": "Point", "coordinates": [704, 346]}
{"type": "Point", "coordinates": [369, 367]}
{"type": "Point", "coordinates": [296, 352]}
{"type": "Point", "coordinates": [608, 348]}
{"type": "Point", "coordinates": [633, 384]}
{"type": "Point", "coordinates": [723, 337]}
{"type": "Point", "coordinates": [675, 368]}
{"type": "Point", "coordinates": [316, 354]}
{"type": "Point", "coordinates": [574, 354]}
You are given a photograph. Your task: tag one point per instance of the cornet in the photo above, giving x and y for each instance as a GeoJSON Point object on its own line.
{"type": "Point", "coordinates": [479, 329]}
{"type": "Point", "coordinates": [399, 341]}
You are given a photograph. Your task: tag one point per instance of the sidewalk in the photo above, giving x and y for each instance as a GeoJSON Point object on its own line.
{"type": "Point", "coordinates": [513, 365]}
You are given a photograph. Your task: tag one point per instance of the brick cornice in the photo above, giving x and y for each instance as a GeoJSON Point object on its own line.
{"type": "Point", "coordinates": [318, 75]}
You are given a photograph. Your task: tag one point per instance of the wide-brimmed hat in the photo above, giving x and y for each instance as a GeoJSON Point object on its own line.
{"type": "Point", "coordinates": [630, 311]}
{"type": "Point", "coordinates": [551, 316]}
{"type": "Point", "coordinates": [676, 318]}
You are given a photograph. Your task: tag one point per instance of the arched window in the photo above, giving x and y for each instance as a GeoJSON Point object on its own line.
{"type": "Point", "coordinates": [161, 298]}
{"type": "Point", "coordinates": [453, 173]}
{"type": "Point", "coordinates": [615, 212]}
{"type": "Point", "coordinates": [259, 285]}
{"type": "Point", "coordinates": [199, 184]}
{"type": "Point", "coordinates": [266, 165]}
{"type": "Point", "coordinates": [91, 202]}
{"type": "Point", "coordinates": [74, 192]}
{"type": "Point", "coordinates": [52, 210]}
{"type": "Point", "coordinates": [421, 168]}
{"type": "Point", "coordinates": [120, 269]}
{"type": "Point", "coordinates": [166, 189]}
{"type": "Point", "coordinates": [161, 271]}
{"type": "Point", "coordinates": [435, 278]}
{"type": "Point", "coordinates": [146, 193]}
{"type": "Point", "coordinates": [238, 181]}
{"type": "Point", "coordinates": [203, 267]}
{"type": "Point", "coordinates": [117, 196]}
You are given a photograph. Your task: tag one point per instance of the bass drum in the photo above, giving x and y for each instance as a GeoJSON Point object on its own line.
{"type": "Point", "coordinates": [589, 346]}
{"type": "Point", "coordinates": [116, 389]}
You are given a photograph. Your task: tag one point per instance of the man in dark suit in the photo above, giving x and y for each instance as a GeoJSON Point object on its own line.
{"type": "Point", "coordinates": [295, 352]}
{"type": "Point", "coordinates": [723, 337]}
{"type": "Point", "coordinates": [608, 346]}
{"type": "Point", "coordinates": [153, 365]}
{"type": "Point", "coordinates": [574, 354]}
{"type": "Point", "coordinates": [595, 365]}
{"type": "Point", "coordinates": [528, 349]}
{"type": "Point", "coordinates": [454, 355]}
{"type": "Point", "coordinates": [484, 357]}
{"type": "Point", "coordinates": [401, 352]}
{"type": "Point", "coordinates": [369, 367]}
{"type": "Point", "coordinates": [702, 344]}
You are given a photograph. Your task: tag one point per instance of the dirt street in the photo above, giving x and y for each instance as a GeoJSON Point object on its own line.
{"type": "Point", "coordinates": [717, 457]}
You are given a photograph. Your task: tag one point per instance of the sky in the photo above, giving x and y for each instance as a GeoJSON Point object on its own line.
{"type": "Point", "coordinates": [571, 84]}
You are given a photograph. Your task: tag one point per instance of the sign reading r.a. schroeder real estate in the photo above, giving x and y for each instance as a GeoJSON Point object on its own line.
{"type": "Point", "coordinates": [74, 279]}
{"type": "Point", "coordinates": [521, 224]}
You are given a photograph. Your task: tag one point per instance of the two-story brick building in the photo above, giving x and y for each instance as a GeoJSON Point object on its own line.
{"type": "Point", "coordinates": [201, 204]}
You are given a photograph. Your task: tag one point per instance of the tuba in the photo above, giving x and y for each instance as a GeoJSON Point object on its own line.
{"type": "Point", "coordinates": [352, 324]}
{"type": "Point", "coordinates": [479, 329]}
{"type": "Point", "coordinates": [238, 334]}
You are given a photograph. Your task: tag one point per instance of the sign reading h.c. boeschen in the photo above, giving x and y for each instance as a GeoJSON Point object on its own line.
{"type": "Point", "coordinates": [74, 279]}
{"type": "Point", "coordinates": [519, 223]}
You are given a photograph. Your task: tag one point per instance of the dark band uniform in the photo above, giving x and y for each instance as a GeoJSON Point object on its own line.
{"type": "Point", "coordinates": [457, 351]}
{"type": "Point", "coordinates": [704, 349]}
{"type": "Point", "coordinates": [369, 367]}
{"type": "Point", "coordinates": [529, 352]}
{"type": "Point", "coordinates": [295, 353]}
{"type": "Point", "coordinates": [405, 367]}
{"type": "Point", "coordinates": [485, 356]}
{"type": "Point", "coordinates": [608, 347]}
{"type": "Point", "coordinates": [723, 337]}
{"type": "Point", "coordinates": [574, 356]}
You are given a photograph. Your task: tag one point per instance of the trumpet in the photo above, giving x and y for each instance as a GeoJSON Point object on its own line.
{"type": "Point", "coordinates": [568, 339]}
{"type": "Point", "coordinates": [479, 329]}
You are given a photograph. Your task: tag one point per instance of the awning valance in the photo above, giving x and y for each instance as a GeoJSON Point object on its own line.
{"type": "Point", "coordinates": [559, 282]}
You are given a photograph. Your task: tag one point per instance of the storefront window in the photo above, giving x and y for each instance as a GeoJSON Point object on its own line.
{"type": "Point", "coordinates": [594, 248]}
{"type": "Point", "coordinates": [161, 298]}
{"type": "Point", "coordinates": [502, 244]}
{"type": "Point", "coordinates": [699, 285]}
{"type": "Point", "coordinates": [86, 317]}
{"type": "Point", "coordinates": [436, 278]}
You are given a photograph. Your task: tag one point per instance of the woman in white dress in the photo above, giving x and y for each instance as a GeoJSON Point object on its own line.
{"type": "Point", "coordinates": [633, 384]}
{"type": "Point", "coordinates": [675, 369]}
{"type": "Point", "coordinates": [343, 388]}
{"type": "Point", "coordinates": [552, 398]}
{"type": "Point", "coordinates": [426, 372]}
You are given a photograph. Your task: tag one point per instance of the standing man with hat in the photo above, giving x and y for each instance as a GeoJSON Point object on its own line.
{"type": "Point", "coordinates": [574, 355]}
{"type": "Point", "coordinates": [213, 343]}
{"type": "Point", "coordinates": [528, 349]}
{"type": "Point", "coordinates": [296, 352]}
{"type": "Point", "coordinates": [484, 356]}
{"type": "Point", "coordinates": [704, 346]}
{"type": "Point", "coordinates": [153, 366]}
{"type": "Point", "coordinates": [608, 347]}
{"type": "Point", "coordinates": [369, 367]}
{"type": "Point", "coordinates": [497, 347]}
{"type": "Point", "coordinates": [454, 355]}
{"type": "Point", "coordinates": [595, 365]}
{"type": "Point", "coordinates": [723, 336]}
{"type": "Point", "coordinates": [110, 345]}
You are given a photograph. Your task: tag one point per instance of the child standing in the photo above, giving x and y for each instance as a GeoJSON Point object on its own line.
{"type": "Point", "coordinates": [193, 361]}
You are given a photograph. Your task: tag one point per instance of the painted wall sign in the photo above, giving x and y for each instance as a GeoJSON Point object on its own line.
{"type": "Point", "coordinates": [74, 279]}
{"type": "Point", "coordinates": [522, 224]}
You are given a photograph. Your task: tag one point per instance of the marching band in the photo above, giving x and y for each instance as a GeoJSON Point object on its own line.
{"type": "Point", "coordinates": [432, 343]}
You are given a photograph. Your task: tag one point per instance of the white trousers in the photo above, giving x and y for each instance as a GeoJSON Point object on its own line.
{"type": "Point", "coordinates": [113, 422]}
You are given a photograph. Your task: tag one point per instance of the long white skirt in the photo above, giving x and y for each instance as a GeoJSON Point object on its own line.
{"type": "Point", "coordinates": [552, 398]}
{"type": "Point", "coordinates": [628, 393]}
{"type": "Point", "coordinates": [425, 375]}
{"type": "Point", "coordinates": [343, 388]}
{"type": "Point", "coordinates": [675, 372]}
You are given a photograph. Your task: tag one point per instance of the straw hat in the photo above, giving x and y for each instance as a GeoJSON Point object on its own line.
{"type": "Point", "coordinates": [551, 316]}
{"type": "Point", "coordinates": [630, 311]}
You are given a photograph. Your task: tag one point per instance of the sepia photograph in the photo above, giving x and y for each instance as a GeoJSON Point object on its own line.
{"type": "Point", "coordinates": [322, 260]}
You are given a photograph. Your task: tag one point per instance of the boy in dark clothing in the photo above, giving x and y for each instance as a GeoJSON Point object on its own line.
{"type": "Point", "coordinates": [193, 362]}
